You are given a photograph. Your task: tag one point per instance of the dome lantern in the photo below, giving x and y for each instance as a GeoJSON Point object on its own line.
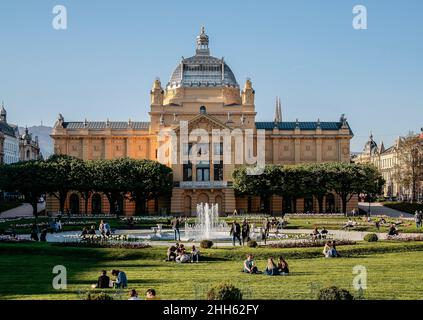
{"type": "Point", "coordinates": [203, 43]}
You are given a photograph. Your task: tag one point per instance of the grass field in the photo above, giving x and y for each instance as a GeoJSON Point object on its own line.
{"type": "Point", "coordinates": [394, 271]}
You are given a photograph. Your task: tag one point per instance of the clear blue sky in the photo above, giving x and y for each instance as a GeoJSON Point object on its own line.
{"type": "Point", "coordinates": [306, 52]}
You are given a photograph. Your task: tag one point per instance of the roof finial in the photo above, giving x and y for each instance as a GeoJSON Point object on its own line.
{"type": "Point", "coordinates": [203, 43]}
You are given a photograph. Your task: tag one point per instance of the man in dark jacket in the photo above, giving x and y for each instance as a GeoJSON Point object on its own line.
{"type": "Point", "coordinates": [103, 280]}
{"type": "Point", "coordinates": [236, 232]}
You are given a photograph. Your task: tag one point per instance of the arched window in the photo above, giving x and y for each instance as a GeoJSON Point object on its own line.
{"type": "Point", "coordinates": [74, 204]}
{"type": "Point", "coordinates": [187, 205]}
{"type": "Point", "coordinates": [28, 154]}
{"type": "Point", "coordinates": [96, 204]}
{"type": "Point", "coordinates": [203, 110]}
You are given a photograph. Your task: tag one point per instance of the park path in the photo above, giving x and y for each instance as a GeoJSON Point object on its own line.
{"type": "Point", "coordinates": [377, 209]}
{"type": "Point", "coordinates": [23, 211]}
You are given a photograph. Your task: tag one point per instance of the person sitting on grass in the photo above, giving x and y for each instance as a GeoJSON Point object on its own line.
{"type": "Point", "coordinates": [171, 253]}
{"type": "Point", "coordinates": [151, 295]}
{"type": "Point", "coordinates": [330, 250]}
{"type": "Point", "coordinates": [103, 281]}
{"type": "Point", "coordinates": [34, 233]}
{"type": "Point", "coordinates": [326, 249]}
{"type": "Point", "coordinates": [43, 235]}
{"type": "Point", "coordinates": [393, 231]}
{"type": "Point", "coordinates": [92, 230]}
{"type": "Point", "coordinates": [249, 265]}
{"type": "Point", "coordinates": [182, 257]}
{"type": "Point", "coordinates": [271, 268]}
{"type": "Point", "coordinates": [315, 234]}
{"type": "Point", "coordinates": [133, 295]}
{"type": "Point", "coordinates": [195, 254]}
{"type": "Point", "coordinates": [121, 281]}
{"type": "Point", "coordinates": [283, 266]}
{"type": "Point", "coordinates": [324, 233]}
{"type": "Point", "coordinates": [84, 232]}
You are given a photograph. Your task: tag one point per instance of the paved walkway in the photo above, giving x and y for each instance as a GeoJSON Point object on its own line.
{"type": "Point", "coordinates": [377, 209]}
{"type": "Point", "coordinates": [25, 210]}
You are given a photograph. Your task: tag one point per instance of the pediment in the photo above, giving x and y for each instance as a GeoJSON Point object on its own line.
{"type": "Point", "coordinates": [204, 121]}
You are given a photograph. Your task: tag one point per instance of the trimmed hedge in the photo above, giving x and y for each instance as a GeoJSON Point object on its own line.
{"type": "Point", "coordinates": [224, 291]}
{"type": "Point", "coordinates": [371, 237]}
{"type": "Point", "coordinates": [206, 244]}
{"type": "Point", "coordinates": [252, 244]}
{"type": "Point", "coordinates": [334, 293]}
{"type": "Point", "coordinates": [404, 206]}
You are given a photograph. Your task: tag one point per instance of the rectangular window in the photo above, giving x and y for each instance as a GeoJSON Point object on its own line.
{"type": "Point", "coordinates": [218, 171]}
{"type": "Point", "coordinates": [187, 174]}
{"type": "Point", "coordinates": [218, 149]}
{"type": "Point", "coordinates": [203, 171]}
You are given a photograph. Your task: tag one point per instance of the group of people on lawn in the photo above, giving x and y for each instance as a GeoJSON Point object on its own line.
{"type": "Point", "coordinates": [179, 254]}
{"type": "Point", "coordinates": [121, 282]}
{"type": "Point", "coordinates": [104, 229]}
{"type": "Point", "coordinates": [272, 268]}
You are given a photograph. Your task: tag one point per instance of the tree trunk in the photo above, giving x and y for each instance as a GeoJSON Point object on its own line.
{"type": "Point", "coordinates": [62, 200]}
{"type": "Point", "coordinates": [344, 204]}
{"type": "Point", "coordinates": [34, 205]}
{"type": "Point", "coordinates": [86, 196]}
{"type": "Point", "coordinates": [320, 201]}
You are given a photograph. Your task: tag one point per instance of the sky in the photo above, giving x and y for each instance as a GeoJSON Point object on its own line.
{"type": "Point", "coordinates": [306, 52]}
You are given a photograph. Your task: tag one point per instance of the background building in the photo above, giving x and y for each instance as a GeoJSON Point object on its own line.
{"type": "Point", "coordinates": [13, 147]}
{"type": "Point", "coordinates": [387, 161]}
{"type": "Point", "coordinates": [204, 92]}
{"type": "Point", "coordinates": [9, 144]}
{"type": "Point", "coordinates": [29, 149]}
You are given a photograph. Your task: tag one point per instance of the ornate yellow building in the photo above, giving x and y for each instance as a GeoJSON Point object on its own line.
{"type": "Point", "coordinates": [204, 94]}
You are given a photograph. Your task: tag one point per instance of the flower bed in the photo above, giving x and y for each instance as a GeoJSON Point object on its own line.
{"type": "Point", "coordinates": [105, 244]}
{"type": "Point", "coordinates": [308, 243]}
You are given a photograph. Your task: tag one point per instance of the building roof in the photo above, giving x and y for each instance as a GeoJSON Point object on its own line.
{"type": "Point", "coordinates": [335, 126]}
{"type": "Point", "coordinates": [7, 129]}
{"type": "Point", "coordinates": [202, 69]}
{"type": "Point", "coordinates": [101, 125]}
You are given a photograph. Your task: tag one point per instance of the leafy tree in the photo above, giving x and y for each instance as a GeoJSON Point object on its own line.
{"type": "Point", "coordinates": [84, 181]}
{"type": "Point", "coordinates": [27, 178]}
{"type": "Point", "coordinates": [317, 182]}
{"type": "Point", "coordinates": [110, 177]}
{"type": "Point", "coordinates": [60, 176]}
{"type": "Point", "coordinates": [148, 180]}
{"type": "Point", "coordinates": [294, 186]}
{"type": "Point", "coordinates": [264, 185]}
{"type": "Point", "coordinates": [348, 179]}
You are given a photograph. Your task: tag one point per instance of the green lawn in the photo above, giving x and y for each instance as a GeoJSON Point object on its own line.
{"type": "Point", "coordinates": [394, 271]}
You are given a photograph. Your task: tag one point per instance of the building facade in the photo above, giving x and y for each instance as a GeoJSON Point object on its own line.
{"type": "Point", "coordinates": [13, 146]}
{"type": "Point", "coordinates": [9, 142]}
{"type": "Point", "coordinates": [29, 149]}
{"type": "Point", "coordinates": [203, 96]}
{"type": "Point", "coordinates": [387, 162]}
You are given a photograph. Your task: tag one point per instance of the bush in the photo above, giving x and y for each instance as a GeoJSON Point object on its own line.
{"type": "Point", "coordinates": [98, 296]}
{"type": "Point", "coordinates": [252, 244]}
{"type": "Point", "coordinates": [371, 237]}
{"type": "Point", "coordinates": [206, 244]}
{"type": "Point", "coordinates": [224, 291]}
{"type": "Point", "coordinates": [334, 293]}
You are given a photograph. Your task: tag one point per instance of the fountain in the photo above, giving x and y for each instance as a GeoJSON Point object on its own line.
{"type": "Point", "coordinates": [207, 225]}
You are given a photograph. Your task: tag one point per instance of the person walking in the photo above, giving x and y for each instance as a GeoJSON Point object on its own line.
{"type": "Point", "coordinates": [235, 232]}
{"type": "Point", "coordinates": [245, 232]}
